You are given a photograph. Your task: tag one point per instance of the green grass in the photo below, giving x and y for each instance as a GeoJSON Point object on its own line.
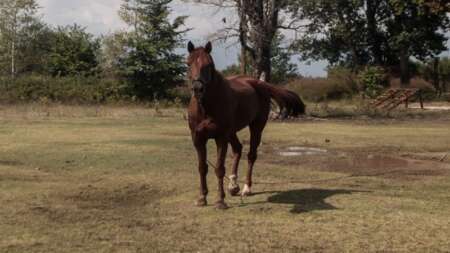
{"type": "Point", "coordinates": [105, 179]}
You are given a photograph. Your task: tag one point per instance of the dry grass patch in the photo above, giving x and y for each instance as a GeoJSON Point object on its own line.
{"type": "Point", "coordinates": [74, 182]}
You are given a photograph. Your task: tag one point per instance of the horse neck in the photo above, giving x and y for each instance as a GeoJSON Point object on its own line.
{"type": "Point", "coordinates": [220, 87]}
{"type": "Point", "coordinates": [219, 95]}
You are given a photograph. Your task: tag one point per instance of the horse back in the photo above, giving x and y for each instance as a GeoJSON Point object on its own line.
{"type": "Point", "coordinates": [251, 104]}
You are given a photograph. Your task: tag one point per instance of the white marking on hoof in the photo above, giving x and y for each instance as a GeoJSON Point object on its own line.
{"type": "Point", "coordinates": [246, 191]}
{"type": "Point", "coordinates": [233, 182]}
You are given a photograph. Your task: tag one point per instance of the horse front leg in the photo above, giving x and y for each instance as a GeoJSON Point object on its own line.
{"type": "Point", "coordinates": [222, 146]}
{"type": "Point", "coordinates": [200, 146]}
{"type": "Point", "coordinates": [200, 135]}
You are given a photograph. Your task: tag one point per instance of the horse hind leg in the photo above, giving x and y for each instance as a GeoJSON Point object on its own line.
{"type": "Point", "coordinates": [255, 140]}
{"type": "Point", "coordinates": [233, 187]}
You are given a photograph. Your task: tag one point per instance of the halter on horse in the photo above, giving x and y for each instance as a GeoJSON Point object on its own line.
{"type": "Point", "coordinates": [219, 108]}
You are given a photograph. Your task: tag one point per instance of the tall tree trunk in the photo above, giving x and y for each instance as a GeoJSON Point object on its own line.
{"type": "Point", "coordinates": [404, 68]}
{"type": "Point", "coordinates": [260, 20]}
{"type": "Point", "coordinates": [243, 34]}
{"type": "Point", "coordinates": [264, 62]}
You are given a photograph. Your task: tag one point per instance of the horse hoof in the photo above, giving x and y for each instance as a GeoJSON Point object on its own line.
{"type": "Point", "coordinates": [221, 205]}
{"type": "Point", "coordinates": [247, 191]}
{"type": "Point", "coordinates": [201, 202]}
{"type": "Point", "coordinates": [234, 191]}
{"type": "Point", "coordinates": [233, 187]}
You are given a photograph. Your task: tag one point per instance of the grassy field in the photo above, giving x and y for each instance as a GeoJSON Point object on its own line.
{"type": "Point", "coordinates": [105, 179]}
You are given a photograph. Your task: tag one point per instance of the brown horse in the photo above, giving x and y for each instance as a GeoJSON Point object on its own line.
{"type": "Point", "coordinates": [219, 108]}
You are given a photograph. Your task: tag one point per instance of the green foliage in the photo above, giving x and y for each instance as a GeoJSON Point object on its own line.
{"type": "Point", "coordinates": [282, 67]}
{"type": "Point", "coordinates": [27, 45]}
{"type": "Point", "coordinates": [416, 26]}
{"type": "Point", "coordinates": [113, 48]}
{"type": "Point", "coordinates": [73, 52]}
{"type": "Point", "coordinates": [360, 32]}
{"type": "Point", "coordinates": [39, 88]}
{"type": "Point", "coordinates": [20, 33]}
{"type": "Point", "coordinates": [372, 81]}
{"type": "Point", "coordinates": [150, 65]}
{"type": "Point", "coordinates": [335, 31]}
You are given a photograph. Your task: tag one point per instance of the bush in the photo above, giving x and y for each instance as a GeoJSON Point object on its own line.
{"type": "Point", "coordinates": [345, 77]}
{"type": "Point", "coordinates": [35, 88]}
{"type": "Point", "coordinates": [341, 83]}
{"type": "Point", "coordinates": [372, 81]}
{"type": "Point", "coordinates": [182, 94]}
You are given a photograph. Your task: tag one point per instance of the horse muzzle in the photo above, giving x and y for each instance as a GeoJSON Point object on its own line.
{"type": "Point", "coordinates": [198, 88]}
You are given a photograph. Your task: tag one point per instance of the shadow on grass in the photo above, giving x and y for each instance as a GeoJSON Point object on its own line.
{"type": "Point", "coordinates": [307, 200]}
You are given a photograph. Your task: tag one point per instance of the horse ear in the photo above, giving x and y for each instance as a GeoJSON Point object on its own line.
{"type": "Point", "coordinates": [208, 47]}
{"type": "Point", "coordinates": [191, 47]}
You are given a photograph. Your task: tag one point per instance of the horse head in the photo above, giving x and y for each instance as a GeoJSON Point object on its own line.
{"type": "Point", "coordinates": [201, 69]}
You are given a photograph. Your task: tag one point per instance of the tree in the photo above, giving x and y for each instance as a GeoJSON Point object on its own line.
{"type": "Point", "coordinates": [437, 71]}
{"type": "Point", "coordinates": [113, 48]}
{"type": "Point", "coordinates": [360, 32]}
{"type": "Point", "coordinates": [444, 73]}
{"type": "Point", "coordinates": [415, 30]}
{"type": "Point", "coordinates": [333, 30]}
{"type": "Point", "coordinates": [282, 67]}
{"type": "Point", "coordinates": [150, 65]}
{"type": "Point", "coordinates": [257, 27]}
{"type": "Point", "coordinates": [34, 48]}
{"type": "Point", "coordinates": [16, 18]}
{"type": "Point", "coordinates": [73, 52]}
{"type": "Point", "coordinates": [262, 17]}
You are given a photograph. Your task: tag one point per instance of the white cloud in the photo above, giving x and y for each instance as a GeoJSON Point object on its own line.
{"type": "Point", "coordinates": [101, 16]}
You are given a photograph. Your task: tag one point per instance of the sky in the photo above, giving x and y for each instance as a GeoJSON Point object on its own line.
{"type": "Point", "coordinates": [100, 17]}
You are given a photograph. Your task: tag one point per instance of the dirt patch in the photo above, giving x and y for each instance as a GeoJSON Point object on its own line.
{"type": "Point", "coordinates": [104, 198]}
{"type": "Point", "coordinates": [387, 167]}
{"type": "Point", "coordinates": [357, 163]}
{"type": "Point", "coordinates": [91, 203]}
{"type": "Point", "coordinates": [443, 157]}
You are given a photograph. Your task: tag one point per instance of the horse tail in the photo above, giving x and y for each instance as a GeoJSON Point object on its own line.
{"type": "Point", "coordinates": [289, 102]}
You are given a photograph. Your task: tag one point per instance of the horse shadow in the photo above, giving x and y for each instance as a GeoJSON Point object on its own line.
{"type": "Point", "coordinates": [306, 200]}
